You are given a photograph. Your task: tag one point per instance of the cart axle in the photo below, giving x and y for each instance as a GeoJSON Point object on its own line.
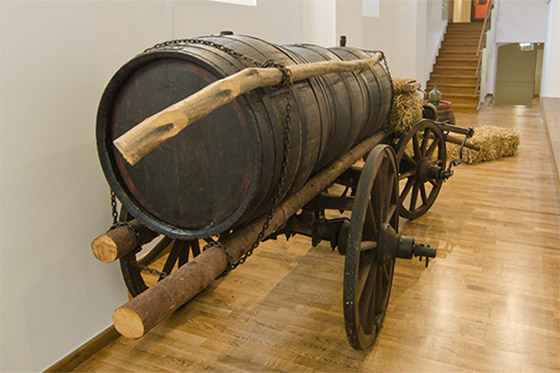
{"type": "Point", "coordinates": [392, 245]}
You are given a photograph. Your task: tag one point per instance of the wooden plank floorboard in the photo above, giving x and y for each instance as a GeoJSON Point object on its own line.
{"type": "Point", "coordinates": [489, 302]}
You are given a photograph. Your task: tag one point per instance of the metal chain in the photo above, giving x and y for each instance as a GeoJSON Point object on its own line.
{"type": "Point", "coordinates": [283, 172]}
{"type": "Point", "coordinates": [386, 66]}
{"type": "Point", "coordinates": [143, 267]}
{"type": "Point", "coordinates": [286, 82]}
{"type": "Point", "coordinates": [220, 246]}
{"type": "Point", "coordinates": [114, 211]}
{"type": "Point", "coordinates": [116, 224]}
{"type": "Point", "coordinates": [208, 43]}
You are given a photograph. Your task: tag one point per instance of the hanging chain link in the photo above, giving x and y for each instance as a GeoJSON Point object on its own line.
{"type": "Point", "coordinates": [383, 59]}
{"type": "Point", "coordinates": [114, 211]}
{"type": "Point", "coordinates": [145, 268]}
{"type": "Point", "coordinates": [207, 43]}
{"type": "Point", "coordinates": [131, 258]}
{"type": "Point", "coordinates": [285, 161]}
{"type": "Point", "coordinates": [286, 83]}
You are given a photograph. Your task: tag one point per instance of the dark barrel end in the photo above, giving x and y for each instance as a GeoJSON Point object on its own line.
{"type": "Point", "coordinates": [196, 184]}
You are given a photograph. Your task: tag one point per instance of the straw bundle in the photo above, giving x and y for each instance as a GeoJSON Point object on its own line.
{"type": "Point", "coordinates": [495, 142]}
{"type": "Point", "coordinates": [407, 104]}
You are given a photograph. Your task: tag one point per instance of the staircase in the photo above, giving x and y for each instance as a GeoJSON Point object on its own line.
{"type": "Point", "coordinates": [455, 67]}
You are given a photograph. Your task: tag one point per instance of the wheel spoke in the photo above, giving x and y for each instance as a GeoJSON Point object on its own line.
{"type": "Point", "coordinates": [414, 196]}
{"type": "Point", "coordinates": [183, 252]}
{"type": "Point", "coordinates": [373, 307]}
{"type": "Point", "coordinates": [384, 191]}
{"type": "Point", "coordinates": [368, 299]}
{"type": "Point", "coordinates": [407, 188]}
{"type": "Point", "coordinates": [431, 149]}
{"type": "Point", "coordinates": [409, 159]}
{"type": "Point", "coordinates": [364, 275]}
{"type": "Point", "coordinates": [390, 213]}
{"type": "Point", "coordinates": [195, 247]}
{"type": "Point", "coordinates": [385, 272]}
{"type": "Point", "coordinates": [368, 245]}
{"type": "Point", "coordinates": [416, 147]}
{"type": "Point", "coordinates": [153, 255]}
{"type": "Point", "coordinates": [425, 140]}
{"type": "Point", "coordinates": [370, 225]}
{"type": "Point", "coordinates": [423, 193]}
{"type": "Point", "coordinates": [379, 289]}
{"type": "Point", "coordinates": [171, 259]}
{"type": "Point", "coordinates": [407, 174]}
{"type": "Point", "coordinates": [391, 194]}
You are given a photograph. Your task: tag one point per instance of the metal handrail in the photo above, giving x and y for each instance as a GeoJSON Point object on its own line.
{"type": "Point", "coordinates": [482, 44]}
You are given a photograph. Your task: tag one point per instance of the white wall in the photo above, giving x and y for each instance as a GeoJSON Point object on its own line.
{"type": "Point", "coordinates": [56, 58]}
{"type": "Point", "coordinates": [515, 21]}
{"type": "Point", "coordinates": [550, 83]}
{"type": "Point", "coordinates": [409, 32]}
{"type": "Point", "coordinates": [349, 21]}
{"type": "Point", "coordinates": [435, 31]}
{"type": "Point", "coordinates": [319, 22]}
{"type": "Point", "coordinates": [521, 21]}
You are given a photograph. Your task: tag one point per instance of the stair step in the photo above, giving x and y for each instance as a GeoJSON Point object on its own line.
{"type": "Point", "coordinates": [469, 34]}
{"type": "Point", "coordinates": [453, 79]}
{"type": "Point", "coordinates": [456, 54]}
{"type": "Point", "coordinates": [455, 70]}
{"type": "Point", "coordinates": [457, 99]}
{"type": "Point", "coordinates": [465, 26]}
{"type": "Point", "coordinates": [460, 42]}
{"type": "Point", "coordinates": [455, 66]}
{"type": "Point", "coordinates": [464, 33]}
{"type": "Point", "coordinates": [459, 48]}
{"type": "Point", "coordinates": [465, 62]}
{"type": "Point", "coordinates": [451, 88]}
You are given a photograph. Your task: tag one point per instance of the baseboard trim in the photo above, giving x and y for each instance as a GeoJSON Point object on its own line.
{"type": "Point", "coordinates": [79, 355]}
{"type": "Point", "coordinates": [548, 123]}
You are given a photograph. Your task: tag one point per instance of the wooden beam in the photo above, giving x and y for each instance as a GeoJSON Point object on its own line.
{"type": "Point", "coordinates": [153, 131]}
{"type": "Point", "coordinates": [120, 241]}
{"type": "Point", "coordinates": [142, 313]}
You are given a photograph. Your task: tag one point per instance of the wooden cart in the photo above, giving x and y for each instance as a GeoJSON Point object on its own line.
{"type": "Point", "coordinates": [354, 203]}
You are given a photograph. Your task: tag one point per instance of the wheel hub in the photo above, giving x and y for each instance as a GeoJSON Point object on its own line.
{"type": "Point", "coordinates": [391, 245]}
{"type": "Point", "coordinates": [427, 170]}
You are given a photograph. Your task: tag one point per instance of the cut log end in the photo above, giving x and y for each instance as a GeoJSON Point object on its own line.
{"type": "Point", "coordinates": [128, 323]}
{"type": "Point", "coordinates": [130, 157]}
{"type": "Point", "coordinates": [105, 249]}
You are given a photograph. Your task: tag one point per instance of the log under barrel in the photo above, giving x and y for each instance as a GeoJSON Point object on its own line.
{"type": "Point", "coordinates": [223, 170]}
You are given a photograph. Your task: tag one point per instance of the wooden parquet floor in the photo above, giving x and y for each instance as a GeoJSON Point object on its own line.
{"type": "Point", "coordinates": [489, 302]}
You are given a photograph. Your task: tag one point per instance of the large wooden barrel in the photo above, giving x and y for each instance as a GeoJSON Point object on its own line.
{"type": "Point", "coordinates": [224, 169]}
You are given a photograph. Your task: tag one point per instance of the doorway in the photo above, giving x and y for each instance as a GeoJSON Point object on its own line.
{"type": "Point", "coordinates": [479, 9]}
{"type": "Point", "coordinates": [518, 74]}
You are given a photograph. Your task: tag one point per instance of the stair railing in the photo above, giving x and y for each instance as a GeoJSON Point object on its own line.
{"type": "Point", "coordinates": [482, 44]}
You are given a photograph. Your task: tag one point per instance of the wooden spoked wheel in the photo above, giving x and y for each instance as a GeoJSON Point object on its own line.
{"type": "Point", "coordinates": [162, 256]}
{"type": "Point", "coordinates": [367, 281]}
{"type": "Point", "coordinates": [421, 154]}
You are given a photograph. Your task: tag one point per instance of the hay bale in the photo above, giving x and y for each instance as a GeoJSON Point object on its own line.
{"type": "Point", "coordinates": [495, 142]}
{"type": "Point", "coordinates": [405, 85]}
{"type": "Point", "coordinates": [407, 110]}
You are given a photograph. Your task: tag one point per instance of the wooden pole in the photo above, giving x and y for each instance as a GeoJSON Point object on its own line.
{"type": "Point", "coordinates": [151, 132]}
{"type": "Point", "coordinates": [455, 140]}
{"type": "Point", "coordinates": [142, 313]}
{"type": "Point", "coordinates": [120, 241]}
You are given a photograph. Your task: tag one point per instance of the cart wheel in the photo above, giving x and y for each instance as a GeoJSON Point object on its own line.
{"type": "Point", "coordinates": [144, 268]}
{"type": "Point", "coordinates": [421, 155]}
{"type": "Point", "coordinates": [367, 281]}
